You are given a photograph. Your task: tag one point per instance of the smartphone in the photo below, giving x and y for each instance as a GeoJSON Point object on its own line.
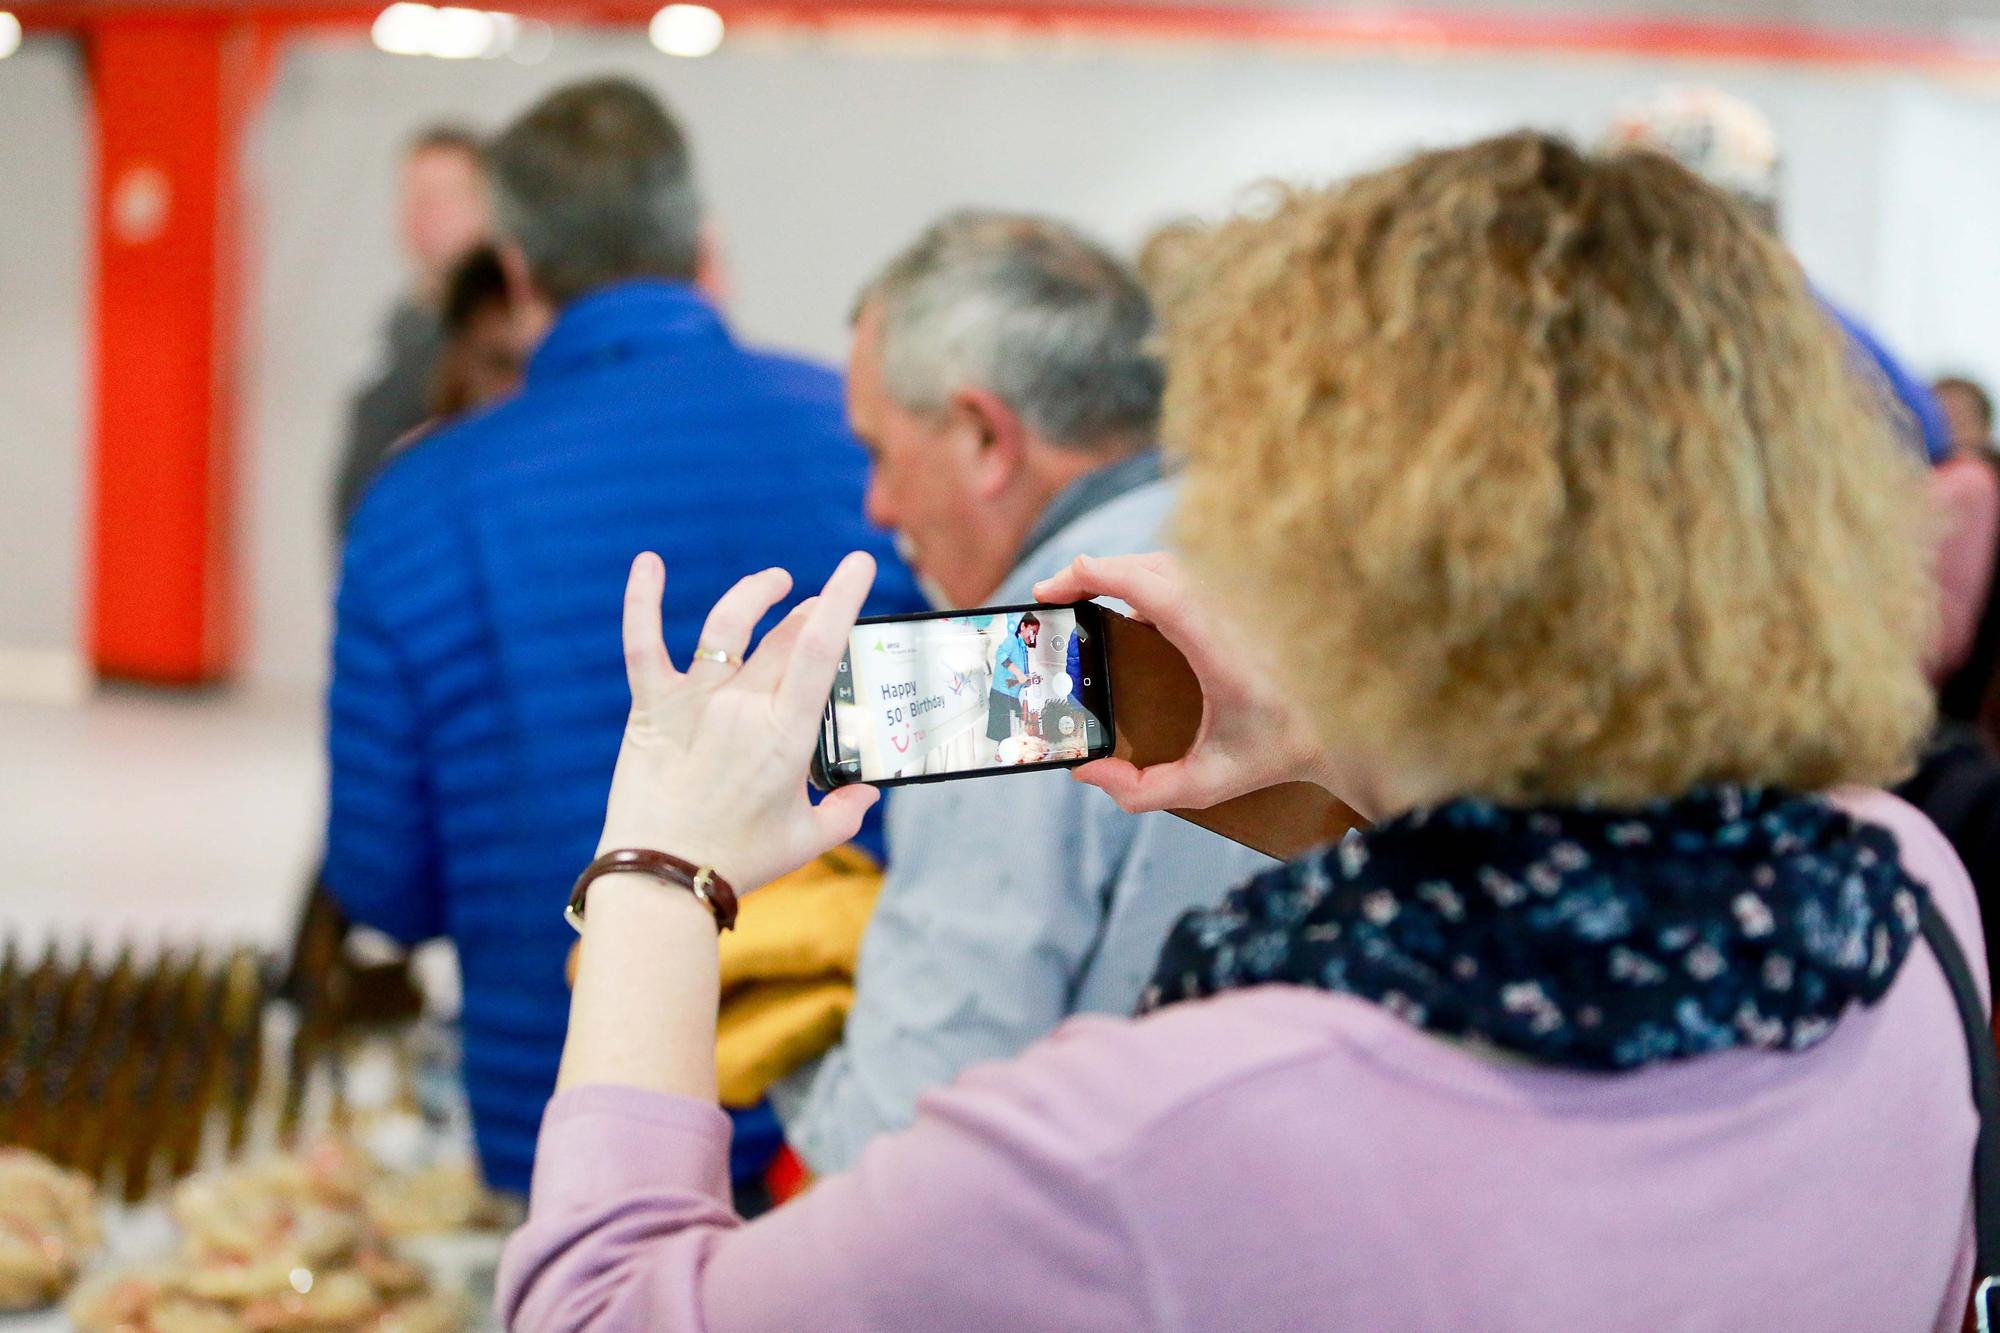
{"type": "Point", "coordinates": [956, 694]}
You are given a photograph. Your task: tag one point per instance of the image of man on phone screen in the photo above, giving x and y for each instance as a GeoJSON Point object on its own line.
{"type": "Point", "coordinates": [1011, 675]}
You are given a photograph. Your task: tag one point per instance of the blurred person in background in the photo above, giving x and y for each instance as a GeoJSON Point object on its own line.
{"type": "Point", "coordinates": [1617, 1018]}
{"type": "Point", "coordinates": [1966, 490]}
{"type": "Point", "coordinates": [1002, 382]}
{"type": "Point", "coordinates": [1968, 414]}
{"type": "Point", "coordinates": [482, 356]}
{"type": "Point", "coordinates": [478, 690]}
{"type": "Point", "coordinates": [1967, 494]}
{"type": "Point", "coordinates": [442, 212]}
{"type": "Point", "coordinates": [1731, 143]}
{"type": "Point", "coordinates": [1958, 781]}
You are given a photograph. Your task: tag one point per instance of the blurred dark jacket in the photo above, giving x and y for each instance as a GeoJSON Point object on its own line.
{"type": "Point", "coordinates": [1957, 784]}
{"type": "Point", "coordinates": [390, 406]}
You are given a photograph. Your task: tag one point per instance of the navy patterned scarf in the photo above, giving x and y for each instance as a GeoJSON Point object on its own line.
{"type": "Point", "coordinates": [1582, 937]}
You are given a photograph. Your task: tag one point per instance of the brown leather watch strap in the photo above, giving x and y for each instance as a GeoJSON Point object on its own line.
{"type": "Point", "coordinates": [702, 881]}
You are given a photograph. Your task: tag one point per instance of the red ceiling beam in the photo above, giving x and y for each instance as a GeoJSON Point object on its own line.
{"type": "Point", "coordinates": [1301, 26]}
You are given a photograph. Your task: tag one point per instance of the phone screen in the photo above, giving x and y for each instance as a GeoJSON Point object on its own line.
{"type": "Point", "coordinates": [982, 691]}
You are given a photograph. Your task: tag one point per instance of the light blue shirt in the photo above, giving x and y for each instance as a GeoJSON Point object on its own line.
{"type": "Point", "coordinates": [1011, 903]}
{"type": "Point", "coordinates": [1014, 653]}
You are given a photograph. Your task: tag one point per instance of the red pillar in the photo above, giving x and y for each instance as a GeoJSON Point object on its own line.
{"type": "Point", "coordinates": [173, 95]}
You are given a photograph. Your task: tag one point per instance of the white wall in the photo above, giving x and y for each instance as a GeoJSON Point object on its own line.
{"type": "Point", "coordinates": [1939, 284]}
{"type": "Point", "coordinates": [823, 155]}
{"type": "Point", "coordinates": [44, 309]}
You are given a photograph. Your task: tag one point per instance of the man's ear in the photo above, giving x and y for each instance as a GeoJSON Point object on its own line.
{"type": "Point", "coordinates": [711, 273]}
{"type": "Point", "coordinates": [999, 439]}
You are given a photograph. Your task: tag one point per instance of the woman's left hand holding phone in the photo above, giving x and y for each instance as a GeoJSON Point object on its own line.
{"type": "Point", "coordinates": [712, 770]}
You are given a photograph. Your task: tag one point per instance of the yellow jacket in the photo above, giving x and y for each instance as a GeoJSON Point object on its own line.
{"type": "Point", "coordinates": [788, 971]}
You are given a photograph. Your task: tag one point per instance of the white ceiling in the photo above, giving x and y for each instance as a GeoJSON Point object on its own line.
{"type": "Point", "coordinates": [1969, 18]}
{"type": "Point", "coordinates": [1972, 20]}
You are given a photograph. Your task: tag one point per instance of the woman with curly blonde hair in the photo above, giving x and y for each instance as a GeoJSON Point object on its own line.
{"type": "Point", "coordinates": [1531, 507]}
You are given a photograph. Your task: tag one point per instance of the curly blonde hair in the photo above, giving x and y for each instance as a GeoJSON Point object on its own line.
{"type": "Point", "coordinates": [1544, 473]}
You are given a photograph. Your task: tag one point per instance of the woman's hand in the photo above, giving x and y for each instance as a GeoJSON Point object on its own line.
{"type": "Point", "coordinates": [1250, 737]}
{"type": "Point", "coordinates": [713, 765]}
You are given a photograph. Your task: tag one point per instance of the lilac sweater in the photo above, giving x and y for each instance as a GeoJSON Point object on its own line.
{"type": "Point", "coordinates": [1284, 1159]}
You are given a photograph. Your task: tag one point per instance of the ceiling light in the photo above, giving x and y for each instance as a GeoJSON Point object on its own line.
{"type": "Point", "coordinates": [10, 34]}
{"type": "Point", "coordinates": [451, 32]}
{"type": "Point", "coordinates": [460, 34]}
{"type": "Point", "coordinates": [686, 30]}
{"type": "Point", "coordinates": [404, 29]}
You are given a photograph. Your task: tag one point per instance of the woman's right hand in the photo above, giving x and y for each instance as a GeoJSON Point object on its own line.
{"type": "Point", "coordinates": [713, 764]}
{"type": "Point", "coordinates": [1250, 736]}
